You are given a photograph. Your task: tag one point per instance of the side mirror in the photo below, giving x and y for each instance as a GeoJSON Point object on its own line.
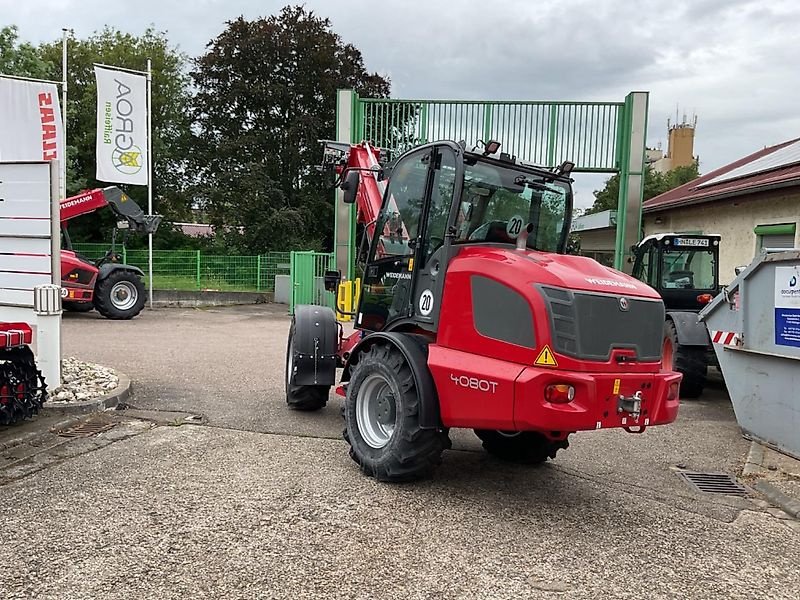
{"type": "Point", "coordinates": [332, 279]}
{"type": "Point", "coordinates": [739, 269]}
{"type": "Point", "coordinates": [350, 186]}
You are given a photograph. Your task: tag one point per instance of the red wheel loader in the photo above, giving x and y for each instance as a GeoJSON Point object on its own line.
{"type": "Point", "coordinates": [116, 290]}
{"type": "Point", "coordinates": [471, 315]}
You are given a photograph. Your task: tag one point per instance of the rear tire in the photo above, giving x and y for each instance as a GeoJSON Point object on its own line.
{"type": "Point", "coordinates": [382, 419]}
{"type": "Point", "coordinates": [690, 361]}
{"type": "Point", "coordinates": [524, 447]}
{"type": "Point", "coordinates": [120, 295]}
{"type": "Point", "coordinates": [78, 307]}
{"type": "Point", "coordinates": [302, 397]}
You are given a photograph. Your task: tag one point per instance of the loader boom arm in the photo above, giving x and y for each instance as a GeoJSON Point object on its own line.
{"type": "Point", "coordinates": [120, 203]}
{"type": "Point", "coordinates": [364, 158]}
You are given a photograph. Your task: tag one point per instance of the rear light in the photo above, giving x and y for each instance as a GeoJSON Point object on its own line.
{"type": "Point", "coordinates": [559, 393]}
{"type": "Point", "coordinates": [674, 388]}
{"type": "Point", "coordinates": [705, 298]}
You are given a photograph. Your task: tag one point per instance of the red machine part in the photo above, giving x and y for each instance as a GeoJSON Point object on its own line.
{"type": "Point", "coordinates": [78, 277]}
{"type": "Point", "coordinates": [13, 335]}
{"type": "Point", "coordinates": [84, 203]}
{"type": "Point", "coordinates": [364, 158]}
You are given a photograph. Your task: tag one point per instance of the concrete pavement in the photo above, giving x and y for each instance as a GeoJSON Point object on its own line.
{"type": "Point", "coordinates": [201, 512]}
{"type": "Point", "coordinates": [265, 503]}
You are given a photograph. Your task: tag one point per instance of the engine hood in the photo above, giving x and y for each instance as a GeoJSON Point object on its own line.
{"type": "Point", "coordinates": [561, 270]}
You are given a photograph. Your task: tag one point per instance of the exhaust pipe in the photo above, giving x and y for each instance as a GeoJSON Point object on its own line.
{"type": "Point", "coordinates": [522, 238]}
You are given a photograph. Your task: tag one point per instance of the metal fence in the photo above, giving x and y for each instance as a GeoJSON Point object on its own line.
{"type": "Point", "coordinates": [308, 279]}
{"type": "Point", "coordinates": [544, 133]}
{"type": "Point", "coordinates": [196, 270]}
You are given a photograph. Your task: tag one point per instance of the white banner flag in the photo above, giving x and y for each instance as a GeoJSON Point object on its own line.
{"type": "Point", "coordinates": [30, 121]}
{"type": "Point", "coordinates": [121, 127]}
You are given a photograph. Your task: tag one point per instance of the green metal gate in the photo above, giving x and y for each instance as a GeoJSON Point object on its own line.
{"type": "Point", "coordinates": [544, 133]}
{"type": "Point", "coordinates": [307, 275]}
{"type": "Point", "coordinates": [599, 137]}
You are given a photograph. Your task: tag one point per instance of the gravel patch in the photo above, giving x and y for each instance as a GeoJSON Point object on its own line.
{"type": "Point", "coordinates": [81, 381]}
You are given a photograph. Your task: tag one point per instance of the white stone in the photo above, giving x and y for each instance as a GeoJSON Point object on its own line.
{"type": "Point", "coordinates": [83, 381]}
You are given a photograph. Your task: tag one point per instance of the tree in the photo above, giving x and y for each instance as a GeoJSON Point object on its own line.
{"type": "Point", "coordinates": [266, 93]}
{"type": "Point", "coordinates": [20, 59]}
{"type": "Point", "coordinates": [655, 183]}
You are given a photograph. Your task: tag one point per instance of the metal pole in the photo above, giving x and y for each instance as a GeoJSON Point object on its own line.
{"type": "Point", "coordinates": [63, 187]}
{"type": "Point", "coordinates": [150, 177]}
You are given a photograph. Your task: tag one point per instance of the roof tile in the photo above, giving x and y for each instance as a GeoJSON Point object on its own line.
{"type": "Point", "coordinates": [691, 193]}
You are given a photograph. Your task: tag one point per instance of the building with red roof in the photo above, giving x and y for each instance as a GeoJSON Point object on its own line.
{"type": "Point", "coordinates": [753, 203]}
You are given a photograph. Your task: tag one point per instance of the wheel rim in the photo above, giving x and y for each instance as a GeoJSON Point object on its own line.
{"type": "Point", "coordinates": [376, 411]}
{"type": "Point", "coordinates": [124, 295]}
{"type": "Point", "coordinates": [667, 355]}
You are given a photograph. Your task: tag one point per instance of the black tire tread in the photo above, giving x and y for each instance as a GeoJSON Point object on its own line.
{"type": "Point", "coordinates": [690, 361]}
{"type": "Point", "coordinates": [417, 452]}
{"type": "Point", "coordinates": [102, 295]}
{"type": "Point", "coordinates": [305, 398]}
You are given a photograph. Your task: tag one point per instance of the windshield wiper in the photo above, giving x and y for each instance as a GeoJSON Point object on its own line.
{"type": "Point", "coordinates": [537, 185]}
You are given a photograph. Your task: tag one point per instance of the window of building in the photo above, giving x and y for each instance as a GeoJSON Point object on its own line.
{"type": "Point", "coordinates": [781, 235]}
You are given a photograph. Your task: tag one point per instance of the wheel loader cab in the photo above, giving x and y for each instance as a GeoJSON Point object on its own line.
{"type": "Point", "coordinates": [440, 199]}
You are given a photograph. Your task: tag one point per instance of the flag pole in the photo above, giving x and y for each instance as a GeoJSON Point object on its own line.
{"type": "Point", "coordinates": [63, 187]}
{"type": "Point", "coordinates": [150, 177]}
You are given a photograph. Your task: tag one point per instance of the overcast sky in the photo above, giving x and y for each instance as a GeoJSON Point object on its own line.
{"type": "Point", "coordinates": [733, 63]}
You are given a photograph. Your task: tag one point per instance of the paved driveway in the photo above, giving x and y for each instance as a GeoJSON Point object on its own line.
{"type": "Point", "coordinates": [265, 503]}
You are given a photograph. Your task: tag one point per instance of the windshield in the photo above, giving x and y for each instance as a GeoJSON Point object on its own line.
{"type": "Point", "coordinates": [688, 269]}
{"type": "Point", "coordinates": [497, 202]}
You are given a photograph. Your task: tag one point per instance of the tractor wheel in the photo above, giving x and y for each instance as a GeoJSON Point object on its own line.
{"type": "Point", "coordinates": [691, 361]}
{"type": "Point", "coordinates": [77, 306]}
{"type": "Point", "coordinates": [121, 295]}
{"type": "Point", "coordinates": [382, 419]}
{"type": "Point", "coordinates": [302, 397]}
{"type": "Point", "coordinates": [524, 447]}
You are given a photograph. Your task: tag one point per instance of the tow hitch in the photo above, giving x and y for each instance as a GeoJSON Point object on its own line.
{"type": "Point", "coordinates": [630, 404]}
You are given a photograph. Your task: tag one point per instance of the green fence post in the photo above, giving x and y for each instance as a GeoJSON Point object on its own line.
{"type": "Point", "coordinates": [551, 136]}
{"type": "Point", "coordinates": [258, 274]}
{"type": "Point", "coordinates": [292, 275]}
{"type": "Point", "coordinates": [198, 269]}
{"type": "Point", "coordinates": [631, 178]}
{"type": "Point", "coordinates": [124, 255]}
{"type": "Point", "coordinates": [423, 124]}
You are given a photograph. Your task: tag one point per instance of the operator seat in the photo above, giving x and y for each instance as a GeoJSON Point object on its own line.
{"type": "Point", "coordinates": [495, 233]}
{"type": "Point", "coordinates": [681, 279]}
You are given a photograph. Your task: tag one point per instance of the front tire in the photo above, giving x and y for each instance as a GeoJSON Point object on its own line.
{"type": "Point", "coordinates": [120, 295]}
{"type": "Point", "coordinates": [382, 419]}
{"type": "Point", "coordinates": [301, 397]}
{"type": "Point", "coordinates": [691, 361]}
{"type": "Point", "coordinates": [524, 447]}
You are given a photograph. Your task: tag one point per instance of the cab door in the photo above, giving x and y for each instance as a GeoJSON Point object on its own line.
{"type": "Point", "coordinates": [386, 293]}
{"type": "Point", "coordinates": [435, 250]}
{"type": "Point", "coordinates": [403, 279]}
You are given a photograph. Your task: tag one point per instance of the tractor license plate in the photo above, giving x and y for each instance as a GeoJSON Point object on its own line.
{"type": "Point", "coordinates": [691, 242]}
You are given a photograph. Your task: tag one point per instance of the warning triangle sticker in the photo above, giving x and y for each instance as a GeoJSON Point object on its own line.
{"type": "Point", "coordinates": [546, 358]}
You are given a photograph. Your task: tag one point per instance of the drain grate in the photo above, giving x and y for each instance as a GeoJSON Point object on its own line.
{"type": "Point", "coordinates": [714, 483]}
{"type": "Point", "coordinates": [86, 429]}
